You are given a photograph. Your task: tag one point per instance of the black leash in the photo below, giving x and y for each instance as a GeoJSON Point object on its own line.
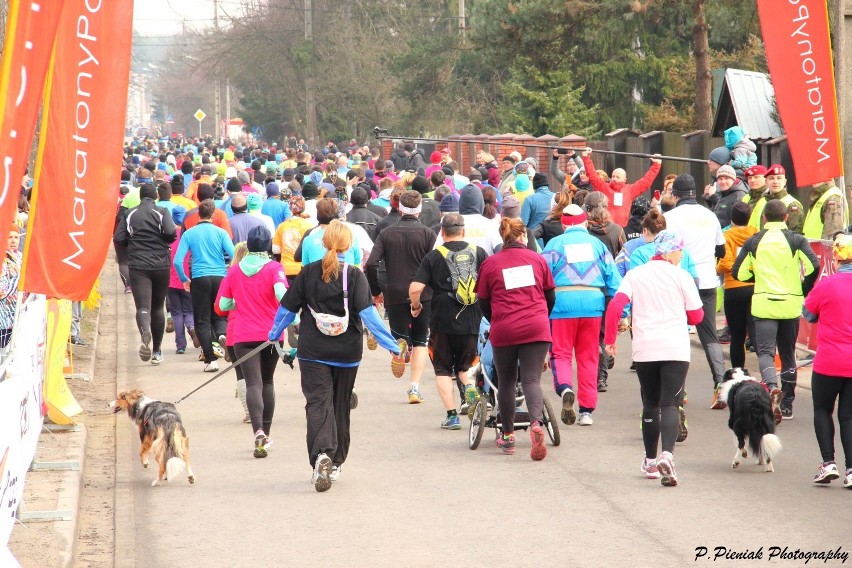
{"type": "Point", "coordinates": [239, 361]}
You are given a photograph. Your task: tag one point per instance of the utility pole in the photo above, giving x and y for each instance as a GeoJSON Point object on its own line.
{"type": "Point", "coordinates": [462, 18]}
{"type": "Point", "coordinates": [227, 107]}
{"type": "Point", "coordinates": [310, 83]}
{"type": "Point", "coordinates": [217, 113]}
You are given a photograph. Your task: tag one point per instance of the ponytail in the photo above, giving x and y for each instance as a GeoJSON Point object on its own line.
{"type": "Point", "coordinates": [337, 239]}
{"type": "Point", "coordinates": [511, 230]}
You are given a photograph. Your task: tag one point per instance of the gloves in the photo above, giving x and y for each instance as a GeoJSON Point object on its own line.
{"type": "Point", "coordinates": [283, 318]}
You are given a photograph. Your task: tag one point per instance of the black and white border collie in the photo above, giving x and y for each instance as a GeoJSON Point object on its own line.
{"type": "Point", "coordinates": [750, 417]}
{"type": "Point", "coordinates": [160, 431]}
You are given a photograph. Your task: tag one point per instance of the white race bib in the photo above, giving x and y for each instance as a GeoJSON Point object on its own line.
{"type": "Point", "coordinates": [518, 277]}
{"type": "Point", "coordinates": [579, 253]}
{"type": "Point", "coordinates": [617, 199]}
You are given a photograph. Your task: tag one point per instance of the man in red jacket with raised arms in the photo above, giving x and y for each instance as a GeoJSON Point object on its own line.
{"type": "Point", "coordinates": [618, 191]}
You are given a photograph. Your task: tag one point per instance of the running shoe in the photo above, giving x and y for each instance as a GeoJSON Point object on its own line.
{"type": "Point", "coordinates": [246, 419]}
{"type": "Point", "coordinates": [775, 404]}
{"type": "Point", "coordinates": [414, 396]}
{"type": "Point", "coordinates": [398, 361]}
{"type": "Point", "coordinates": [724, 335]}
{"type": "Point", "coordinates": [260, 443]}
{"type": "Point", "coordinates": [602, 386]}
{"type": "Point", "coordinates": [716, 403]}
{"type": "Point", "coordinates": [218, 350]}
{"type": "Point", "coordinates": [847, 483]}
{"type": "Point", "coordinates": [786, 412]}
{"type": "Point", "coordinates": [569, 415]}
{"type": "Point", "coordinates": [682, 430]}
{"type": "Point", "coordinates": [464, 408]}
{"type": "Point", "coordinates": [156, 358]}
{"type": "Point", "coordinates": [633, 367]}
{"type": "Point", "coordinates": [127, 289]}
{"type": "Point", "coordinates": [471, 395]}
{"type": "Point", "coordinates": [826, 473]}
{"type": "Point", "coordinates": [223, 345]}
{"type": "Point", "coordinates": [506, 443]}
{"type": "Point", "coordinates": [335, 472]}
{"type": "Point", "coordinates": [665, 465]}
{"type": "Point", "coordinates": [170, 325]}
{"type": "Point", "coordinates": [145, 348]}
{"type": "Point", "coordinates": [451, 423]}
{"type": "Point", "coordinates": [539, 450]}
{"type": "Point", "coordinates": [211, 367]}
{"type": "Point", "coordinates": [195, 342]}
{"type": "Point", "coordinates": [321, 477]}
{"type": "Point", "coordinates": [649, 468]}
{"type": "Point", "coordinates": [180, 351]}
{"type": "Point", "coordinates": [372, 343]}
{"type": "Point", "coordinates": [585, 419]}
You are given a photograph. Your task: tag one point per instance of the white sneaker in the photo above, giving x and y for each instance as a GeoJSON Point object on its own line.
{"type": "Point", "coordinates": [847, 483]}
{"type": "Point", "coordinates": [211, 367]}
{"type": "Point", "coordinates": [335, 472]}
{"type": "Point", "coordinates": [585, 419]}
{"type": "Point", "coordinates": [322, 472]}
{"type": "Point", "coordinates": [826, 473]}
{"type": "Point", "coordinates": [218, 350]}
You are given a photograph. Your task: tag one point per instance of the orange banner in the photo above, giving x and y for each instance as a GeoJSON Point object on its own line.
{"type": "Point", "coordinates": [30, 32]}
{"type": "Point", "coordinates": [80, 148]}
{"type": "Point", "coordinates": [798, 51]}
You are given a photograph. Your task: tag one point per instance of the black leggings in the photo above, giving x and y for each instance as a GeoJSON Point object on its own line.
{"type": "Point", "coordinates": [529, 357]}
{"type": "Point", "coordinates": [208, 324]}
{"type": "Point", "coordinates": [738, 314]}
{"type": "Point", "coordinates": [150, 288]}
{"type": "Point", "coordinates": [662, 388]}
{"type": "Point", "coordinates": [826, 390]}
{"type": "Point", "coordinates": [258, 371]}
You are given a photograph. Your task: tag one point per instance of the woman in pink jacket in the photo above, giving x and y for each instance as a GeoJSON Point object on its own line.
{"type": "Point", "coordinates": [831, 381]}
{"type": "Point", "coordinates": [251, 292]}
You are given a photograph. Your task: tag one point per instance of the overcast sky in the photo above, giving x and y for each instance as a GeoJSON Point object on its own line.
{"type": "Point", "coordinates": [165, 17]}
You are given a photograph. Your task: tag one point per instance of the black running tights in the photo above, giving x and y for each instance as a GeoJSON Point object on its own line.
{"type": "Point", "coordinates": [258, 371]}
{"type": "Point", "coordinates": [662, 388]}
{"type": "Point", "coordinates": [149, 289]}
{"type": "Point", "coordinates": [526, 360]}
{"type": "Point", "coordinates": [826, 390]}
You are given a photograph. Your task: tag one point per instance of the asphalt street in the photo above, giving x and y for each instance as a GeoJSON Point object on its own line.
{"type": "Point", "coordinates": [411, 494]}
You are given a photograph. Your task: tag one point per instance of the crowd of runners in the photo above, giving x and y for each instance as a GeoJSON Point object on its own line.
{"type": "Point", "coordinates": [239, 249]}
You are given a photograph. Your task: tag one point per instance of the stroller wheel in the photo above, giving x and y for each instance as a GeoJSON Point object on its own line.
{"type": "Point", "coordinates": [477, 423]}
{"type": "Point", "coordinates": [549, 424]}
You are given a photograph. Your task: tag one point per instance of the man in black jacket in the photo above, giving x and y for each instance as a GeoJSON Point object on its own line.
{"type": "Point", "coordinates": [360, 215]}
{"type": "Point", "coordinates": [147, 231]}
{"type": "Point", "coordinates": [403, 247]}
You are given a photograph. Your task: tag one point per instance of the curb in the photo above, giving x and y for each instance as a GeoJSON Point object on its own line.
{"type": "Point", "coordinates": [70, 490]}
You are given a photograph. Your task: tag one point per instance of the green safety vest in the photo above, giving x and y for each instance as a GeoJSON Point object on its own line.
{"type": "Point", "coordinates": [756, 219]}
{"type": "Point", "coordinates": [813, 222]}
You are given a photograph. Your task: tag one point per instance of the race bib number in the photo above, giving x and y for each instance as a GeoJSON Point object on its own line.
{"type": "Point", "coordinates": [579, 253]}
{"type": "Point", "coordinates": [518, 277]}
{"type": "Point", "coordinates": [617, 199]}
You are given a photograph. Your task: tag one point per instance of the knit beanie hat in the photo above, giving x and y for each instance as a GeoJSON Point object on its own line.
{"type": "Point", "coordinates": [539, 180]}
{"type": "Point", "coordinates": [435, 157]}
{"type": "Point", "coordinates": [511, 207]}
{"type": "Point", "coordinates": [259, 240]}
{"type": "Point", "coordinates": [640, 206]}
{"type": "Point", "coordinates": [726, 171]}
{"type": "Point", "coordinates": [450, 204]}
{"type": "Point", "coordinates": [522, 182]}
{"type": "Point", "coordinates": [254, 202]}
{"type": "Point", "coordinates": [272, 189]}
{"type": "Point", "coordinates": [740, 213]}
{"type": "Point", "coordinates": [720, 155]}
{"type": "Point", "coordinates": [359, 196]}
{"type": "Point", "coordinates": [683, 185]}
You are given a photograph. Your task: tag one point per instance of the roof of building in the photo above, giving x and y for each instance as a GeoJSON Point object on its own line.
{"type": "Point", "coordinates": [744, 98]}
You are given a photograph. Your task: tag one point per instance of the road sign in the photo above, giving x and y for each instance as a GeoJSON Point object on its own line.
{"type": "Point", "coordinates": [199, 115]}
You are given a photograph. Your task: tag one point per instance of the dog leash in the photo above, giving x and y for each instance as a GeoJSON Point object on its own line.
{"type": "Point", "coordinates": [793, 370]}
{"type": "Point", "coordinates": [239, 361]}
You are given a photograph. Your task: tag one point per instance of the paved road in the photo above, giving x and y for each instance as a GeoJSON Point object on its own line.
{"type": "Point", "coordinates": [414, 495]}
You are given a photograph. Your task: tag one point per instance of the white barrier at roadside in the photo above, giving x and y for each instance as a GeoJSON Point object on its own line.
{"type": "Point", "coordinates": [22, 411]}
